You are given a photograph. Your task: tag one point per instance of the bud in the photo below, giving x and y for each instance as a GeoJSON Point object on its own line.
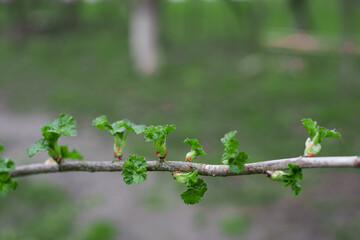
{"type": "Point", "coordinates": [158, 154]}
{"type": "Point", "coordinates": [49, 161]}
{"type": "Point", "coordinates": [117, 152]}
{"type": "Point", "coordinates": [178, 176]}
{"type": "Point", "coordinates": [311, 149]}
{"type": "Point", "coordinates": [190, 156]}
{"type": "Point", "coordinates": [277, 175]}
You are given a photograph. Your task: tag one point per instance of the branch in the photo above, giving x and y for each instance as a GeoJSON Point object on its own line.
{"type": "Point", "coordinates": [203, 169]}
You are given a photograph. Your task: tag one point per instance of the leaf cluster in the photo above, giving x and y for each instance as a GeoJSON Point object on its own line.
{"type": "Point", "coordinates": [196, 149]}
{"type": "Point", "coordinates": [119, 130]}
{"type": "Point", "coordinates": [158, 134]}
{"type": "Point", "coordinates": [119, 127]}
{"type": "Point", "coordinates": [231, 155]}
{"type": "Point", "coordinates": [313, 130]}
{"type": "Point", "coordinates": [134, 170]}
{"type": "Point", "coordinates": [195, 187]}
{"type": "Point", "coordinates": [290, 179]}
{"type": "Point", "coordinates": [65, 125]}
{"type": "Point", "coordinates": [6, 166]}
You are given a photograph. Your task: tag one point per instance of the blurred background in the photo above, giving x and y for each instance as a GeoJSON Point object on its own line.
{"type": "Point", "coordinates": [208, 67]}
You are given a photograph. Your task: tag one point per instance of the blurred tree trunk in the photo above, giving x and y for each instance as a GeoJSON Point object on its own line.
{"type": "Point", "coordinates": [19, 27]}
{"type": "Point", "coordinates": [249, 13]}
{"type": "Point", "coordinates": [144, 35]}
{"type": "Point", "coordinates": [69, 14]}
{"type": "Point", "coordinates": [348, 66]}
{"type": "Point", "coordinates": [299, 9]}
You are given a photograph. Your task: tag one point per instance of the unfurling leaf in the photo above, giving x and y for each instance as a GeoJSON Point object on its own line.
{"type": "Point", "coordinates": [119, 130]}
{"type": "Point", "coordinates": [194, 192]}
{"type": "Point", "coordinates": [195, 187]}
{"type": "Point", "coordinates": [231, 155]}
{"type": "Point", "coordinates": [74, 154]}
{"type": "Point", "coordinates": [196, 149]}
{"type": "Point", "coordinates": [158, 134]}
{"type": "Point", "coordinates": [290, 179]}
{"type": "Point", "coordinates": [237, 161]}
{"type": "Point", "coordinates": [65, 125]}
{"type": "Point", "coordinates": [134, 170]}
{"type": "Point", "coordinates": [40, 145]}
{"type": "Point", "coordinates": [317, 134]}
{"type": "Point", "coordinates": [6, 182]}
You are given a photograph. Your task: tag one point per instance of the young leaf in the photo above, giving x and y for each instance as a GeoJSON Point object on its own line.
{"type": "Point", "coordinates": [237, 161]}
{"type": "Point", "coordinates": [230, 143]}
{"type": "Point", "coordinates": [290, 179]}
{"type": "Point", "coordinates": [119, 130]}
{"type": "Point", "coordinates": [101, 122]}
{"type": "Point", "coordinates": [310, 126]}
{"type": "Point", "coordinates": [64, 125]}
{"type": "Point", "coordinates": [40, 145]}
{"type": "Point", "coordinates": [158, 134]}
{"type": "Point", "coordinates": [6, 182]}
{"type": "Point", "coordinates": [194, 192]}
{"type": "Point", "coordinates": [196, 149]}
{"type": "Point", "coordinates": [317, 134]}
{"type": "Point", "coordinates": [195, 187]}
{"type": "Point", "coordinates": [134, 170]}
{"type": "Point", "coordinates": [231, 155]}
{"type": "Point", "coordinates": [6, 165]}
{"type": "Point", "coordinates": [74, 154]}
{"type": "Point", "coordinates": [184, 178]}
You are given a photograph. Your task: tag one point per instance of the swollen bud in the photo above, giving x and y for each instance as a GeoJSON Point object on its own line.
{"type": "Point", "coordinates": [179, 177]}
{"type": "Point", "coordinates": [277, 175]}
{"type": "Point", "coordinates": [49, 161]}
{"type": "Point", "coordinates": [190, 156]}
{"type": "Point", "coordinates": [117, 152]}
{"type": "Point", "coordinates": [310, 149]}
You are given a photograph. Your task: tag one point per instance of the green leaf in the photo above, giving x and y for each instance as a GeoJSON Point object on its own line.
{"type": "Point", "coordinates": [40, 145]}
{"type": "Point", "coordinates": [118, 127]}
{"type": "Point", "coordinates": [230, 143]}
{"type": "Point", "coordinates": [6, 165]}
{"type": "Point", "coordinates": [158, 136]}
{"type": "Point", "coordinates": [194, 143]}
{"type": "Point", "coordinates": [292, 178]}
{"type": "Point", "coordinates": [7, 183]}
{"type": "Point", "coordinates": [231, 155]}
{"type": "Point", "coordinates": [64, 125]}
{"type": "Point", "coordinates": [74, 154]}
{"type": "Point", "coordinates": [1, 148]}
{"type": "Point", "coordinates": [194, 192]}
{"type": "Point", "coordinates": [195, 187]}
{"type": "Point", "coordinates": [134, 170]}
{"type": "Point", "coordinates": [158, 133]}
{"type": "Point", "coordinates": [237, 161]}
{"type": "Point", "coordinates": [185, 178]}
{"type": "Point", "coordinates": [310, 126]}
{"type": "Point", "coordinates": [325, 133]}
{"type": "Point", "coordinates": [101, 122]}
{"type": "Point", "coordinates": [196, 149]}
